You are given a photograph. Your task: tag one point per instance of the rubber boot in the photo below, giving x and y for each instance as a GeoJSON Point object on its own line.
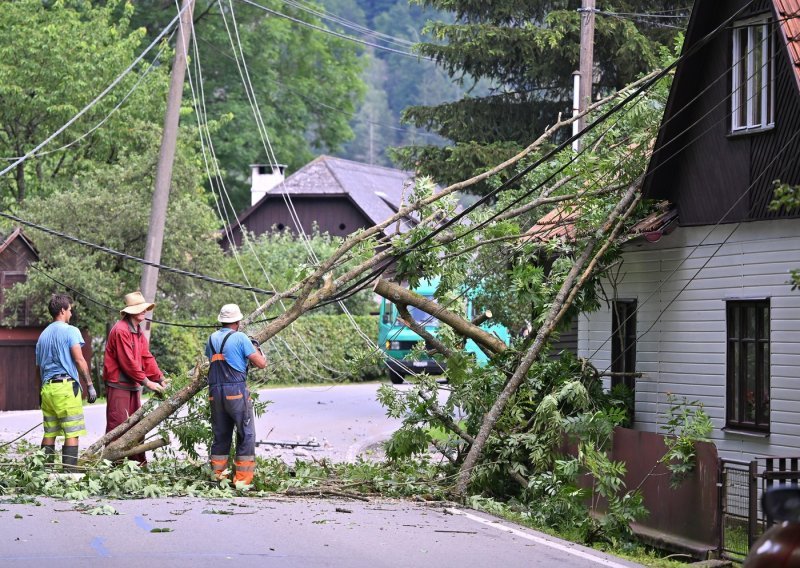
{"type": "Point", "coordinates": [49, 453]}
{"type": "Point", "coordinates": [219, 464]}
{"type": "Point", "coordinates": [245, 468]}
{"type": "Point", "coordinates": [69, 459]}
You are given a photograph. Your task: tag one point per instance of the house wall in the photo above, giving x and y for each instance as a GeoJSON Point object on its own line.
{"type": "Point", "coordinates": [336, 215]}
{"type": "Point", "coordinates": [683, 353]}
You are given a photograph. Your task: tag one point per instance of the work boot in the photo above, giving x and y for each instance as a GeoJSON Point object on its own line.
{"type": "Point", "coordinates": [219, 465]}
{"type": "Point", "coordinates": [245, 469]}
{"type": "Point", "coordinates": [69, 459]}
{"type": "Point", "coordinates": [49, 453]}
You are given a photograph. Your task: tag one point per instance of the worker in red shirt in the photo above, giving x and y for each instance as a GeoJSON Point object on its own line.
{"type": "Point", "coordinates": [128, 365]}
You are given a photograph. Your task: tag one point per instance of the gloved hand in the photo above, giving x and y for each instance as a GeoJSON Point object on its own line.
{"type": "Point", "coordinates": [91, 394]}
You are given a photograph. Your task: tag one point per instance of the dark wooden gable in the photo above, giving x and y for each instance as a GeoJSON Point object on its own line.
{"type": "Point", "coordinates": [335, 214]}
{"type": "Point", "coordinates": [16, 254]}
{"type": "Point", "coordinates": [710, 174]}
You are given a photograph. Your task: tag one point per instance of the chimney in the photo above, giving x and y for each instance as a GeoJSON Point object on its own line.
{"type": "Point", "coordinates": [264, 177]}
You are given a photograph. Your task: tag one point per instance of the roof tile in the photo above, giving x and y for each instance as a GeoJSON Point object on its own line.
{"type": "Point", "coordinates": [789, 15]}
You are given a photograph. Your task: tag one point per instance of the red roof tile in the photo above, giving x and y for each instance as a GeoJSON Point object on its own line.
{"type": "Point", "coordinates": [558, 223]}
{"type": "Point", "coordinates": [789, 17]}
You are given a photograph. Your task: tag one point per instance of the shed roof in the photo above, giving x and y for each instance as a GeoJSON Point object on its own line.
{"type": "Point", "coordinates": [376, 190]}
{"type": "Point", "coordinates": [18, 234]}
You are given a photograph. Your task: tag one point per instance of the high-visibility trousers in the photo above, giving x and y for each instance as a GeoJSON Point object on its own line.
{"type": "Point", "coordinates": [232, 409]}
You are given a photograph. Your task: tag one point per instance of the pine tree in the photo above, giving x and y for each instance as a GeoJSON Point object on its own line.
{"type": "Point", "coordinates": [528, 49]}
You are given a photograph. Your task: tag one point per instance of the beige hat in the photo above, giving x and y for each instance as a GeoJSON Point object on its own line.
{"type": "Point", "coordinates": [136, 304]}
{"type": "Point", "coordinates": [230, 313]}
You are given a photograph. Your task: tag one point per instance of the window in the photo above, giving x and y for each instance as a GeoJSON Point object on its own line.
{"type": "Point", "coordinates": [423, 317]}
{"type": "Point", "coordinates": [753, 74]}
{"type": "Point", "coordinates": [748, 365]}
{"type": "Point", "coordinates": [623, 343]}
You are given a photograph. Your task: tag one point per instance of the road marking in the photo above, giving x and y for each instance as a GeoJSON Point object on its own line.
{"type": "Point", "coordinates": [142, 523]}
{"type": "Point", "coordinates": [539, 540]}
{"type": "Point", "coordinates": [98, 545]}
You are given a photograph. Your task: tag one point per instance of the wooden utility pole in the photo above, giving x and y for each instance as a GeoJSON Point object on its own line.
{"type": "Point", "coordinates": [166, 158]}
{"type": "Point", "coordinates": [586, 67]}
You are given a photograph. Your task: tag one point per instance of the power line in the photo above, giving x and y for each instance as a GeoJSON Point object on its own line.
{"type": "Point", "coordinates": [352, 115]}
{"type": "Point", "coordinates": [615, 108]}
{"type": "Point", "coordinates": [645, 14]}
{"type": "Point", "coordinates": [123, 255]}
{"type": "Point", "coordinates": [222, 198]}
{"type": "Point", "coordinates": [325, 14]}
{"type": "Point", "coordinates": [334, 33]}
{"type": "Point", "coordinates": [107, 117]}
{"type": "Point", "coordinates": [113, 309]}
{"type": "Point", "coordinates": [697, 246]}
{"type": "Point", "coordinates": [245, 76]}
{"type": "Point", "coordinates": [96, 100]}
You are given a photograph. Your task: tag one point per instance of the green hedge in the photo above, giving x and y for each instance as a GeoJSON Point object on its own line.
{"type": "Point", "coordinates": [321, 348]}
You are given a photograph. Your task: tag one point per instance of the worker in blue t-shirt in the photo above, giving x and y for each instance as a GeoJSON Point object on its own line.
{"type": "Point", "coordinates": [228, 351]}
{"type": "Point", "coordinates": [65, 374]}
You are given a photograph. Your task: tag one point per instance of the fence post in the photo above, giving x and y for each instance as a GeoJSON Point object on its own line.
{"type": "Point", "coordinates": [752, 516]}
{"type": "Point", "coordinates": [721, 496]}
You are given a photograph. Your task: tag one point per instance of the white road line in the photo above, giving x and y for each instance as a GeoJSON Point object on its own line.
{"type": "Point", "coordinates": [538, 540]}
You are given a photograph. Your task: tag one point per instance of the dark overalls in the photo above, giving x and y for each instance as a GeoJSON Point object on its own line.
{"type": "Point", "coordinates": [230, 408]}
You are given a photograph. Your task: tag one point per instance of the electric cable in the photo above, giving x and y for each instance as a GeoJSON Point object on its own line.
{"type": "Point", "coordinates": [352, 115]}
{"type": "Point", "coordinates": [94, 101]}
{"type": "Point", "coordinates": [137, 259]}
{"type": "Point", "coordinates": [326, 15]}
{"type": "Point", "coordinates": [335, 33]}
{"type": "Point", "coordinates": [271, 155]}
{"type": "Point", "coordinates": [107, 117]}
{"type": "Point", "coordinates": [222, 199]}
{"type": "Point", "coordinates": [116, 310]}
{"type": "Point", "coordinates": [691, 51]}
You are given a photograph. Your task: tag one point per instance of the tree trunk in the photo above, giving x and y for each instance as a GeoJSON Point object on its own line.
{"type": "Point", "coordinates": [561, 302]}
{"type": "Point", "coordinates": [306, 298]}
{"type": "Point", "coordinates": [396, 293]}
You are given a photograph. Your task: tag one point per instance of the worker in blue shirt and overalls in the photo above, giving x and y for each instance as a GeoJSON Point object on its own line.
{"type": "Point", "coordinates": [229, 351]}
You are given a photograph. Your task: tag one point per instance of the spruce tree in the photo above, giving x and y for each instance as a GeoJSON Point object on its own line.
{"type": "Point", "coordinates": [528, 49]}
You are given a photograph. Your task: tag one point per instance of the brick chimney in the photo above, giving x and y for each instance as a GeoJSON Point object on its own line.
{"type": "Point", "coordinates": [263, 178]}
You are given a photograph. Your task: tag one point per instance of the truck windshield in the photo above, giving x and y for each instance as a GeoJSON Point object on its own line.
{"type": "Point", "coordinates": [422, 317]}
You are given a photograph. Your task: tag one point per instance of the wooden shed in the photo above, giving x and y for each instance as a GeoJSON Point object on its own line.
{"type": "Point", "coordinates": [19, 384]}
{"type": "Point", "coordinates": [335, 195]}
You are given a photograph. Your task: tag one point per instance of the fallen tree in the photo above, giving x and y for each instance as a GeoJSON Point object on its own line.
{"type": "Point", "coordinates": [361, 259]}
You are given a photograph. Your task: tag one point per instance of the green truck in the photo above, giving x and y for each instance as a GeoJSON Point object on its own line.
{"type": "Point", "coordinates": [397, 340]}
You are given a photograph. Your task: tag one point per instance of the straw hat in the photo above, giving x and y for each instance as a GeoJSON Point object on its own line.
{"type": "Point", "coordinates": [230, 313]}
{"type": "Point", "coordinates": [136, 304]}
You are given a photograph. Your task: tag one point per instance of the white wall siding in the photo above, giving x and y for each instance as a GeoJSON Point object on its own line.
{"type": "Point", "coordinates": [681, 284]}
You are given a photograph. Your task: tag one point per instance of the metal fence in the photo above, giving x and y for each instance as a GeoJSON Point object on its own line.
{"type": "Point", "coordinates": [734, 508]}
{"type": "Point", "coordinates": [741, 486]}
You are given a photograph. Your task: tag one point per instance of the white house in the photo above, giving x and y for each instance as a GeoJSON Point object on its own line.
{"type": "Point", "coordinates": [706, 310]}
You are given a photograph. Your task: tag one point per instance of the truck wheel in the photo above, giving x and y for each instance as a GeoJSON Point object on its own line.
{"type": "Point", "coordinates": [395, 377]}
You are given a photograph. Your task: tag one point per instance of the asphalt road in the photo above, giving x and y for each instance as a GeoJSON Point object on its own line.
{"type": "Point", "coordinates": [343, 419]}
{"type": "Point", "coordinates": [286, 533]}
{"type": "Point", "coordinates": [292, 533]}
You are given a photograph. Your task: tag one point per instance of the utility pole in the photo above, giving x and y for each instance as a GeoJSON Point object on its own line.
{"type": "Point", "coordinates": [586, 67]}
{"type": "Point", "coordinates": [166, 158]}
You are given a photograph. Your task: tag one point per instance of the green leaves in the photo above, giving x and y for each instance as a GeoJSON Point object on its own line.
{"type": "Point", "coordinates": [101, 510]}
{"type": "Point", "coordinates": [53, 62]}
{"type": "Point", "coordinates": [686, 424]}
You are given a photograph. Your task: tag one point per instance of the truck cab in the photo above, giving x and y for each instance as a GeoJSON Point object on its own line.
{"type": "Point", "coordinates": [397, 340]}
